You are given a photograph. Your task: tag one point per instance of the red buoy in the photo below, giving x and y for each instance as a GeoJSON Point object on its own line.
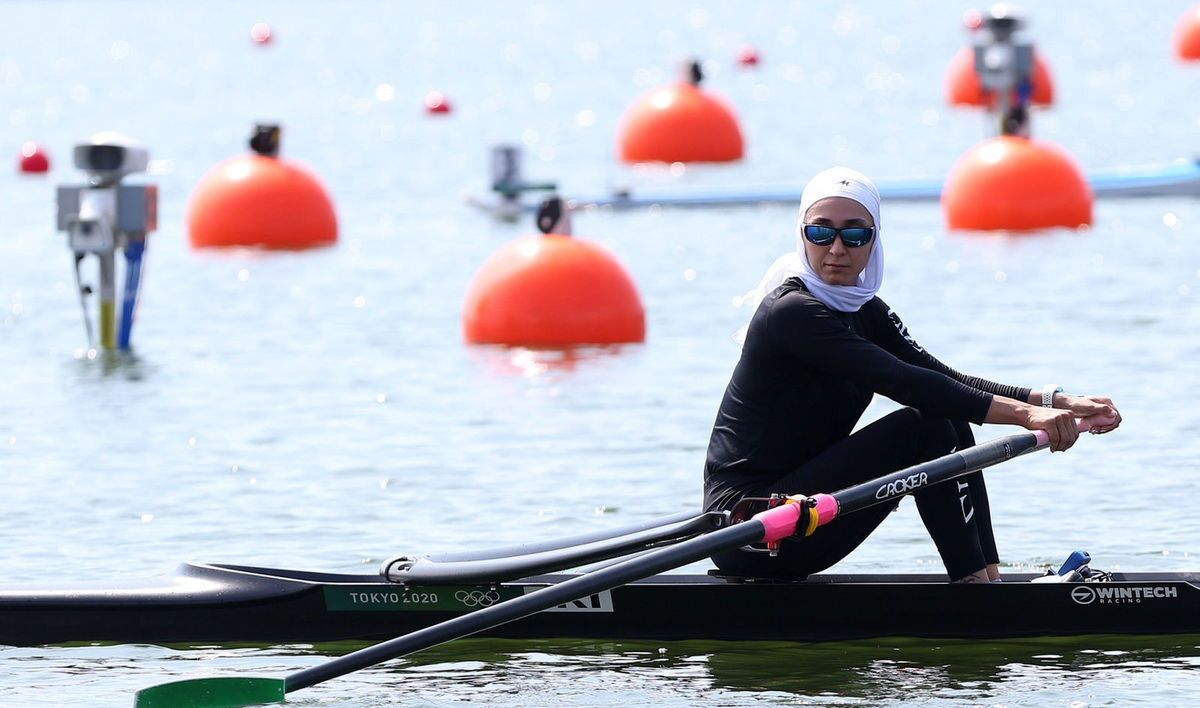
{"type": "Point", "coordinates": [1010, 183]}
{"type": "Point", "coordinates": [261, 200]}
{"type": "Point", "coordinates": [1186, 37]}
{"type": "Point", "coordinates": [435, 102]}
{"type": "Point", "coordinates": [260, 33]}
{"type": "Point", "coordinates": [963, 89]}
{"type": "Point", "coordinates": [33, 159]}
{"type": "Point", "coordinates": [680, 123]}
{"type": "Point", "coordinates": [747, 56]}
{"type": "Point", "coordinates": [552, 290]}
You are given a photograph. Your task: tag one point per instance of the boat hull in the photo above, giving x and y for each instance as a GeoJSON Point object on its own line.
{"type": "Point", "coordinates": [1179, 178]}
{"type": "Point", "coordinates": [238, 604]}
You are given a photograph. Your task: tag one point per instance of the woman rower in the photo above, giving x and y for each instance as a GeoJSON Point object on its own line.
{"type": "Point", "coordinates": [818, 347]}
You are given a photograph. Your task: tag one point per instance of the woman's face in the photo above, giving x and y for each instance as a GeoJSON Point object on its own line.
{"type": "Point", "coordinates": [836, 264]}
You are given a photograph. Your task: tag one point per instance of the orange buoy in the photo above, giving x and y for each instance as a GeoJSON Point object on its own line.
{"type": "Point", "coordinates": [261, 200]}
{"type": "Point", "coordinates": [1186, 37]}
{"type": "Point", "coordinates": [33, 159]}
{"type": "Point", "coordinates": [963, 89]}
{"type": "Point", "coordinates": [260, 33]}
{"type": "Point", "coordinates": [747, 56]}
{"type": "Point", "coordinates": [680, 123]}
{"type": "Point", "coordinates": [436, 102]}
{"type": "Point", "coordinates": [552, 290]}
{"type": "Point", "coordinates": [1016, 184]}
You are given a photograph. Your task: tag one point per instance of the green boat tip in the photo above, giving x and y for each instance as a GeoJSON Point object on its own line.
{"type": "Point", "coordinates": [225, 692]}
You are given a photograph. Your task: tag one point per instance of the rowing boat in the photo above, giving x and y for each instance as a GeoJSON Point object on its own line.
{"type": "Point", "coordinates": [1179, 178]}
{"type": "Point", "coordinates": [206, 603]}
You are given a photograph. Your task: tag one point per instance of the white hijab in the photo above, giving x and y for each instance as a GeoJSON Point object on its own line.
{"type": "Point", "coordinates": [833, 182]}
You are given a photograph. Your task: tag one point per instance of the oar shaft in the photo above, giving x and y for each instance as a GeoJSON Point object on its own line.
{"type": "Point", "coordinates": [426, 571]}
{"type": "Point", "coordinates": [770, 525]}
{"type": "Point", "coordinates": [911, 479]}
{"type": "Point", "coordinates": [526, 549]}
{"type": "Point", "coordinates": [917, 477]}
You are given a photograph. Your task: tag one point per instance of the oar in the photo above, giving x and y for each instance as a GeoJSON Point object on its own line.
{"type": "Point", "coordinates": [956, 464]}
{"type": "Point", "coordinates": [770, 527]}
{"type": "Point", "coordinates": [767, 527]}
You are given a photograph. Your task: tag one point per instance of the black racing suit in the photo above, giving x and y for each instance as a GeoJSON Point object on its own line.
{"type": "Point", "coordinates": [805, 376]}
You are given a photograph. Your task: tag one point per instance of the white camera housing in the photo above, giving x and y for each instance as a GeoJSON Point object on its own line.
{"type": "Point", "coordinates": [107, 157]}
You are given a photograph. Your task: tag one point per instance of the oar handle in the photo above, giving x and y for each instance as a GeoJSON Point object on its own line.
{"type": "Point", "coordinates": [1083, 425]}
{"type": "Point", "coordinates": [779, 522]}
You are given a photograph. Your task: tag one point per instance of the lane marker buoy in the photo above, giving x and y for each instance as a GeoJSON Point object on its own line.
{"type": "Point", "coordinates": [552, 290]}
{"type": "Point", "coordinates": [680, 123]}
{"type": "Point", "coordinates": [261, 200]}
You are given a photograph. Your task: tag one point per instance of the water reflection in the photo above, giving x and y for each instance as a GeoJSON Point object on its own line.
{"type": "Point", "coordinates": [93, 364]}
{"type": "Point", "coordinates": [532, 362]}
{"type": "Point", "coordinates": [598, 673]}
{"type": "Point", "coordinates": [915, 669]}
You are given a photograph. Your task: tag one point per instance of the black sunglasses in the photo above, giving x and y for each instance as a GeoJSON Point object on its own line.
{"type": "Point", "coordinates": [852, 236]}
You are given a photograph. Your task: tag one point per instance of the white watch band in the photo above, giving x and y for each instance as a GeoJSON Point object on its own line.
{"type": "Point", "coordinates": [1048, 392]}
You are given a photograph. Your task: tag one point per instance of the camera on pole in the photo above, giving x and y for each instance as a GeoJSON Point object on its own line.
{"type": "Point", "coordinates": [103, 217]}
{"type": "Point", "coordinates": [1004, 64]}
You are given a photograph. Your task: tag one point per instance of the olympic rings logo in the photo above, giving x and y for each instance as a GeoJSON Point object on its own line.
{"type": "Point", "coordinates": [477, 598]}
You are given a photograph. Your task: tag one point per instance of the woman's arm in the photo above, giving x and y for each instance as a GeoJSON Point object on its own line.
{"type": "Point", "coordinates": [815, 339]}
{"type": "Point", "coordinates": [897, 340]}
{"type": "Point", "coordinates": [1011, 404]}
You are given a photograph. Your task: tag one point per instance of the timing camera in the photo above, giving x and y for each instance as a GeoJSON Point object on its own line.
{"type": "Point", "coordinates": [107, 157]}
{"type": "Point", "coordinates": [97, 216]}
{"type": "Point", "coordinates": [1003, 52]}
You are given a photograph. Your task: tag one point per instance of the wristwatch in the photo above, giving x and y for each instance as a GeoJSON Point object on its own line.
{"type": "Point", "coordinates": [1048, 392]}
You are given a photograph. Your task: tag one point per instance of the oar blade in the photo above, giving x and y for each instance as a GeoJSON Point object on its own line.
{"type": "Point", "coordinates": [221, 692]}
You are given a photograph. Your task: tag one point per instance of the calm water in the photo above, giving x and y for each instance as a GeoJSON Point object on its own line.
{"type": "Point", "coordinates": [319, 409]}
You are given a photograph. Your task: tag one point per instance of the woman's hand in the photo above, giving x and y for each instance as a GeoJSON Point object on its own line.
{"type": "Point", "coordinates": [1087, 406]}
{"type": "Point", "coordinates": [1059, 424]}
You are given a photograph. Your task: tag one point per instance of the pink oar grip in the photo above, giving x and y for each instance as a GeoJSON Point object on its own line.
{"type": "Point", "coordinates": [779, 522]}
{"type": "Point", "coordinates": [1094, 421]}
{"type": "Point", "coordinates": [1083, 424]}
{"type": "Point", "coordinates": [826, 508]}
